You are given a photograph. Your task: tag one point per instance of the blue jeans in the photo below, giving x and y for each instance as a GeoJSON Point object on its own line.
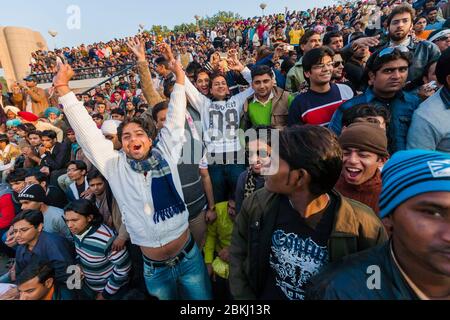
{"type": "Point", "coordinates": [187, 280]}
{"type": "Point", "coordinates": [224, 179]}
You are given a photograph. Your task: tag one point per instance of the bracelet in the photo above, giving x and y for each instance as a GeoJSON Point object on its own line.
{"type": "Point", "coordinates": [60, 85]}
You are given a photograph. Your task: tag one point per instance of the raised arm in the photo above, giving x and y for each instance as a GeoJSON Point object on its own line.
{"type": "Point", "coordinates": [172, 134]}
{"type": "Point", "coordinates": [150, 93]}
{"type": "Point", "coordinates": [235, 65]}
{"type": "Point", "coordinates": [96, 147]}
{"type": "Point", "coordinates": [196, 99]}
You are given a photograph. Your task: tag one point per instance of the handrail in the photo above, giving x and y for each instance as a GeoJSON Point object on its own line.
{"type": "Point", "coordinates": [83, 73]}
{"type": "Point", "coordinates": [118, 74]}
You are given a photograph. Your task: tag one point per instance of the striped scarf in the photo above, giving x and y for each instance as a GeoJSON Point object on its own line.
{"type": "Point", "coordinates": [166, 200]}
{"type": "Point", "coordinates": [250, 184]}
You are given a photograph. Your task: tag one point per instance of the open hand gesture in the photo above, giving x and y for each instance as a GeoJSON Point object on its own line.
{"type": "Point", "coordinates": [137, 47]}
{"type": "Point", "coordinates": [166, 51]}
{"type": "Point", "coordinates": [235, 65]}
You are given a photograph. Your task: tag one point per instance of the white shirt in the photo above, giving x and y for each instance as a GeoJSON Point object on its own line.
{"type": "Point", "coordinates": [220, 119]}
{"type": "Point", "coordinates": [132, 190]}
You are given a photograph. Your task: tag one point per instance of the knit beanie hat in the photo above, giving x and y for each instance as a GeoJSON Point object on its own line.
{"type": "Point", "coordinates": [365, 136]}
{"type": "Point", "coordinates": [411, 173]}
{"type": "Point", "coordinates": [33, 193]}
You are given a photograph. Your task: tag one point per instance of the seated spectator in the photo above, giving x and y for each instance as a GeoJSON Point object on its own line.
{"type": "Point", "coordinates": [54, 155]}
{"type": "Point", "coordinates": [54, 195]}
{"type": "Point", "coordinates": [32, 158]}
{"type": "Point", "coordinates": [98, 119]}
{"type": "Point", "coordinates": [101, 110]}
{"type": "Point", "coordinates": [8, 155]}
{"type": "Point", "coordinates": [7, 213]}
{"type": "Point", "coordinates": [106, 271]}
{"type": "Point", "coordinates": [430, 127]}
{"type": "Point", "coordinates": [317, 105]}
{"type": "Point", "coordinates": [217, 249]}
{"type": "Point", "coordinates": [27, 117]}
{"type": "Point", "coordinates": [414, 264]}
{"type": "Point", "coordinates": [11, 112]}
{"type": "Point", "coordinates": [16, 181]}
{"type": "Point", "coordinates": [130, 110]}
{"type": "Point", "coordinates": [79, 189]}
{"type": "Point", "coordinates": [23, 130]}
{"type": "Point", "coordinates": [33, 243]}
{"type": "Point", "coordinates": [107, 205]}
{"type": "Point", "coordinates": [259, 149]}
{"type": "Point", "coordinates": [37, 282]}
{"type": "Point", "coordinates": [365, 152]}
{"type": "Point", "coordinates": [118, 114]}
{"type": "Point", "coordinates": [54, 116]}
{"type": "Point", "coordinates": [33, 198]}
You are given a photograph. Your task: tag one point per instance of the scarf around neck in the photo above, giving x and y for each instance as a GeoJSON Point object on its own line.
{"type": "Point", "coordinates": [250, 183]}
{"type": "Point", "coordinates": [166, 200]}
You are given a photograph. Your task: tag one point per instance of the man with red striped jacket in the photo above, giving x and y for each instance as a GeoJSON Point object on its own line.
{"type": "Point", "coordinates": [317, 105]}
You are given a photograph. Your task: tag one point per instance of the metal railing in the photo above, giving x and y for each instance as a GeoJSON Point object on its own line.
{"type": "Point", "coordinates": [116, 75]}
{"type": "Point", "coordinates": [85, 73]}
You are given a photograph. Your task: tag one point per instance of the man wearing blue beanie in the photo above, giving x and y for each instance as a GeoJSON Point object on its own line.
{"type": "Point", "coordinates": [415, 263]}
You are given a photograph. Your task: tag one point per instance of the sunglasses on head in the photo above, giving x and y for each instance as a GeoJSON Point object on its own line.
{"type": "Point", "coordinates": [390, 50]}
{"type": "Point", "coordinates": [443, 38]}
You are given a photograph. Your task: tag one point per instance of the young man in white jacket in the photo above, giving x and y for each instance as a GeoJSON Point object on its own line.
{"type": "Point", "coordinates": [145, 182]}
{"type": "Point", "coordinates": [221, 117]}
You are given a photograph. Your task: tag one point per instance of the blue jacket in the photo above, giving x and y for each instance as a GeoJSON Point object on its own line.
{"type": "Point", "coordinates": [423, 52]}
{"type": "Point", "coordinates": [401, 108]}
{"type": "Point", "coordinates": [49, 248]}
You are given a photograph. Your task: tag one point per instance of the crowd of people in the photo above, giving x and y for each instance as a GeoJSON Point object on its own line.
{"type": "Point", "coordinates": [273, 158]}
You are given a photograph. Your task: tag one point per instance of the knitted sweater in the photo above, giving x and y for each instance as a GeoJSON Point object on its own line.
{"type": "Point", "coordinates": [132, 190]}
{"type": "Point", "coordinates": [367, 193]}
{"type": "Point", "coordinates": [105, 271]}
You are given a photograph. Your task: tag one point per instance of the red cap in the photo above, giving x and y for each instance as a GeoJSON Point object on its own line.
{"type": "Point", "coordinates": [28, 116]}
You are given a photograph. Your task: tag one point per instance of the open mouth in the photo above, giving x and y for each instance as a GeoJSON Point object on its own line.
{"type": "Point", "coordinates": [136, 148]}
{"type": "Point", "coordinates": [353, 172]}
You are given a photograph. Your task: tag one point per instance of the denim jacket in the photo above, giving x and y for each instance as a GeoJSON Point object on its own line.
{"type": "Point", "coordinates": [401, 109]}
{"type": "Point", "coordinates": [423, 52]}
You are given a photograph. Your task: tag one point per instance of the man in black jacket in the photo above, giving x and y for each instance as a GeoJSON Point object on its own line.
{"type": "Point", "coordinates": [54, 155]}
{"type": "Point", "coordinates": [55, 196]}
{"type": "Point", "coordinates": [415, 264]}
